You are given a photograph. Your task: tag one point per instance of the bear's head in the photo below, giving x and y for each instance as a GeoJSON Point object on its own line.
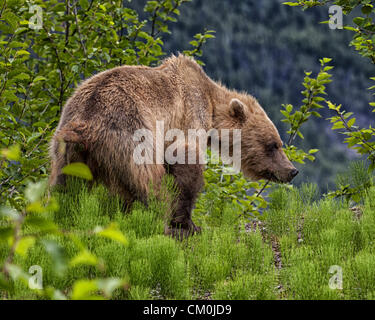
{"type": "Point", "coordinates": [262, 156]}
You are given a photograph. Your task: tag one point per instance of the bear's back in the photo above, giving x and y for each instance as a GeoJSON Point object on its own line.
{"type": "Point", "coordinates": [122, 88]}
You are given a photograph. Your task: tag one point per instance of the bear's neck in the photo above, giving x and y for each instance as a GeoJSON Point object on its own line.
{"type": "Point", "coordinates": [220, 97]}
{"type": "Point", "coordinates": [217, 95]}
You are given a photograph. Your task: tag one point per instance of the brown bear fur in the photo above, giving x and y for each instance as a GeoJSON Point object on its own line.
{"type": "Point", "coordinates": [99, 120]}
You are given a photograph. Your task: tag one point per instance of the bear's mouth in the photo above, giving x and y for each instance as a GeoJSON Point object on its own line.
{"type": "Point", "coordinates": [270, 176]}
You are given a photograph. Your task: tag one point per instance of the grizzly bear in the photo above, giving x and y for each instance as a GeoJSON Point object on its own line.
{"type": "Point", "coordinates": [98, 124]}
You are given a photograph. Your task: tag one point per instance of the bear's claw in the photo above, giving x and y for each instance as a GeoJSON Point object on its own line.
{"type": "Point", "coordinates": [182, 233]}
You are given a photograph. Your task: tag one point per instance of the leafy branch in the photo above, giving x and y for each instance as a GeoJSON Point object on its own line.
{"type": "Point", "coordinates": [314, 90]}
{"type": "Point", "coordinates": [361, 140]}
{"type": "Point", "coordinates": [199, 40]}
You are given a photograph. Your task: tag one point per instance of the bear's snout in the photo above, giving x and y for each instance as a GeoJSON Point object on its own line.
{"type": "Point", "coordinates": [292, 174]}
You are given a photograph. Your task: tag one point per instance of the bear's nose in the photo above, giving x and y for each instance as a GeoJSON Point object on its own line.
{"type": "Point", "coordinates": [293, 173]}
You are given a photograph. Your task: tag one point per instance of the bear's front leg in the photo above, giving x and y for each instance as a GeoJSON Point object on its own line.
{"type": "Point", "coordinates": [189, 180]}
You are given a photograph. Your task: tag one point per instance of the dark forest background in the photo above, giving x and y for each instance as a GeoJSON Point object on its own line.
{"type": "Point", "coordinates": [264, 47]}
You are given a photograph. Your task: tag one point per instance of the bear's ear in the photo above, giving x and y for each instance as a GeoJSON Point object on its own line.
{"type": "Point", "coordinates": [237, 110]}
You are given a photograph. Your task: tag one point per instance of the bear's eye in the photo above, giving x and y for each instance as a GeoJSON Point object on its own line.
{"type": "Point", "coordinates": [272, 147]}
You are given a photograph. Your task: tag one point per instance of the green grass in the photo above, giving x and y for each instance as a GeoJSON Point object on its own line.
{"type": "Point", "coordinates": [226, 261]}
{"type": "Point", "coordinates": [315, 236]}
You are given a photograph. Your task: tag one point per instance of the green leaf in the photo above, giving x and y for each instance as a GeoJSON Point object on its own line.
{"type": "Point", "coordinates": [109, 285]}
{"type": "Point", "coordinates": [41, 224]}
{"type": "Point", "coordinates": [22, 76]}
{"type": "Point", "coordinates": [21, 30]}
{"type": "Point", "coordinates": [112, 232]}
{"type": "Point", "coordinates": [351, 122]}
{"type": "Point", "coordinates": [57, 254]}
{"type": "Point", "coordinates": [35, 207]}
{"type": "Point", "coordinates": [78, 169]}
{"type": "Point", "coordinates": [291, 4]}
{"type": "Point", "coordinates": [24, 244]}
{"type": "Point", "coordinates": [34, 191]}
{"type": "Point", "coordinates": [11, 213]}
{"type": "Point", "coordinates": [12, 154]}
{"type": "Point", "coordinates": [338, 125]}
{"type": "Point", "coordinates": [84, 4]}
{"type": "Point", "coordinates": [84, 258]}
{"type": "Point", "coordinates": [10, 96]}
{"type": "Point", "coordinates": [358, 21]}
{"type": "Point", "coordinates": [84, 289]}
{"type": "Point", "coordinates": [326, 60]}
{"type": "Point", "coordinates": [39, 78]}
{"type": "Point", "coordinates": [22, 53]}
{"type": "Point", "coordinates": [16, 273]}
{"type": "Point", "coordinates": [316, 114]}
{"type": "Point", "coordinates": [11, 18]}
